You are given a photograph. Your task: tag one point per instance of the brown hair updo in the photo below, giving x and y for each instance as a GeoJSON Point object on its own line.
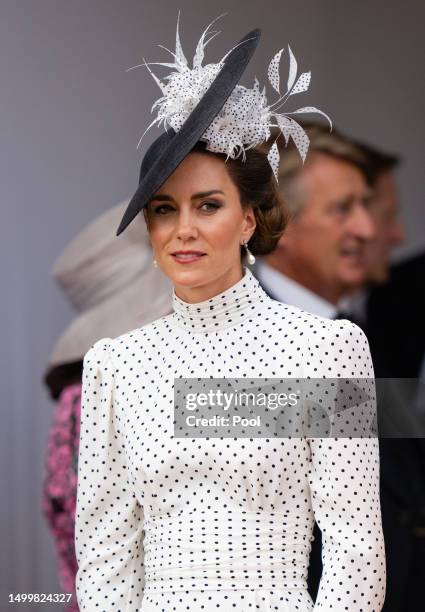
{"type": "Point", "coordinates": [257, 187]}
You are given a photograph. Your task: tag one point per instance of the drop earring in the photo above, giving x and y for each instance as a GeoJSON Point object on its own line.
{"type": "Point", "coordinates": [155, 263]}
{"type": "Point", "coordinates": [249, 256]}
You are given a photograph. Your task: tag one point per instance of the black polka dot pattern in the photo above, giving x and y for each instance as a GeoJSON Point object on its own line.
{"type": "Point", "coordinates": [176, 524]}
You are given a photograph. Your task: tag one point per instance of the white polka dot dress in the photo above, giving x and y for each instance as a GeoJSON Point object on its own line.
{"type": "Point", "coordinates": [168, 524]}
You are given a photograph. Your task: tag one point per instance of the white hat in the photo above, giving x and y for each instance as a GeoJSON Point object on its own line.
{"type": "Point", "coordinates": [111, 282]}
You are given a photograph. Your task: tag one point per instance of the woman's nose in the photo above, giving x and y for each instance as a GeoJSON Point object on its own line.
{"type": "Point", "coordinates": [186, 225]}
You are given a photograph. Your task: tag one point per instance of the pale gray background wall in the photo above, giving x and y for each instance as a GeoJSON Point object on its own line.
{"type": "Point", "coordinates": [70, 119]}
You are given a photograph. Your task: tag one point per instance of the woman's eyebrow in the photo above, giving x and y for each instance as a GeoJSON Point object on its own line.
{"type": "Point", "coordinates": [163, 197]}
{"type": "Point", "coordinates": [205, 194]}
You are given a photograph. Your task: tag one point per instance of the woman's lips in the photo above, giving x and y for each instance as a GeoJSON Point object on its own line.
{"type": "Point", "coordinates": [185, 258]}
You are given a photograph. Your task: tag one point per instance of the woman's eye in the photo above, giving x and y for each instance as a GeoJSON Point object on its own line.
{"type": "Point", "coordinates": [210, 206]}
{"type": "Point", "coordinates": [162, 209]}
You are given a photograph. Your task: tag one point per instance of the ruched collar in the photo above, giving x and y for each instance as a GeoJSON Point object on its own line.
{"type": "Point", "coordinates": [237, 303]}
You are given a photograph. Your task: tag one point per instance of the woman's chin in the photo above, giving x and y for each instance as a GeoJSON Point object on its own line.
{"type": "Point", "coordinates": [187, 275]}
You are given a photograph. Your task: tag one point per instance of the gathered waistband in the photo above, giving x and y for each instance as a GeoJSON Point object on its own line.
{"type": "Point", "coordinates": [208, 549]}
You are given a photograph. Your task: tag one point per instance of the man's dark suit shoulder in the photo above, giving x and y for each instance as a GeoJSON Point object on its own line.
{"type": "Point", "coordinates": [395, 318]}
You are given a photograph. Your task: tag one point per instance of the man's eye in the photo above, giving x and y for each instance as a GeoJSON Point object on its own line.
{"type": "Point", "coordinates": [342, 207]}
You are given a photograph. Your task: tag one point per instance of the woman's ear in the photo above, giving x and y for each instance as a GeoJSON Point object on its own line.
{"type": "Point", "coordinates": [249, 224]}
{"type": "Point", "coordinates": [146, 217]}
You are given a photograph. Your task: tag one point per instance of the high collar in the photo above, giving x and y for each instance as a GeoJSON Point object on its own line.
{"type": "Point", "coordinates": [236, 304]}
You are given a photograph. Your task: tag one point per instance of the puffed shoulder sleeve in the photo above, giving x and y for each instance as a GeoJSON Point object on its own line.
{"type": "Point", "coordinates": [109, 519]}
{"type": "Point", "coordinates": [344, 485]}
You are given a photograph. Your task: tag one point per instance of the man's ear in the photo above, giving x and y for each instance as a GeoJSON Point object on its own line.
{"type": "Point", "coordinates": [286, 237]}
{"type": "Point", "coordinates": [281, 243]}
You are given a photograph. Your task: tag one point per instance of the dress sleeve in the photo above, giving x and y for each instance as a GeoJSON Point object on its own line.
{"type": "Point", "coordinates": [344, 486]}
{"type": "Point", "coordinates": [109, 518]}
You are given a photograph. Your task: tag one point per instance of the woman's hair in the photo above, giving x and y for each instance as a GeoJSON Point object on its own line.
{"type": "Point", "coordinates": [257, 187]}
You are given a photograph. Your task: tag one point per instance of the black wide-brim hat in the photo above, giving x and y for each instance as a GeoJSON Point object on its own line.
{"type": "Point", "coordinates": [170, 149]}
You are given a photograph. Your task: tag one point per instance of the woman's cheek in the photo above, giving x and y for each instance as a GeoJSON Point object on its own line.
{"type": "Point", "coordinates": [220, 230]}
{"type": "Point", "coordinates": [159, 236]}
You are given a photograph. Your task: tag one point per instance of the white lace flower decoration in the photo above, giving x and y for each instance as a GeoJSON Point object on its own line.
{"type": "Point", "coordinates": [246, 117]}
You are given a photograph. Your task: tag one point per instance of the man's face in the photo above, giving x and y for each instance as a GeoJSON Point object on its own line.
{"type": "Point", "coordinates": [324, 245]}
{"type": "Point", "coordinates": [384, 209]}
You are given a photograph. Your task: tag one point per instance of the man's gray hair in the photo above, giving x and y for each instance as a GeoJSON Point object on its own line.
{"type": "Point", "coordinates": [334, 144]}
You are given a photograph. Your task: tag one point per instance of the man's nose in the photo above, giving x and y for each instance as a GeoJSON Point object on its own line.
{"type": "Point", "coordinates": [363, 224]}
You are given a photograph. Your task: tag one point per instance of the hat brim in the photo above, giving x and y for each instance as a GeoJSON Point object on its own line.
{"type": "Point", "coordinates": [147, 298]}
{"type": "Point", "coordinates": [172, 146]}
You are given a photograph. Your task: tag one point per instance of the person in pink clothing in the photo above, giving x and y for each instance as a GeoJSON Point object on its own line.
{"type": "Point", "coordinates": [60, 485]}
{"type": "Point", "coordinates": [98, 273]}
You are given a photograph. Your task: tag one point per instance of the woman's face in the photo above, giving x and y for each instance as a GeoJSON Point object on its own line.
{"type": "Point", "coordinates": [196, 225]}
